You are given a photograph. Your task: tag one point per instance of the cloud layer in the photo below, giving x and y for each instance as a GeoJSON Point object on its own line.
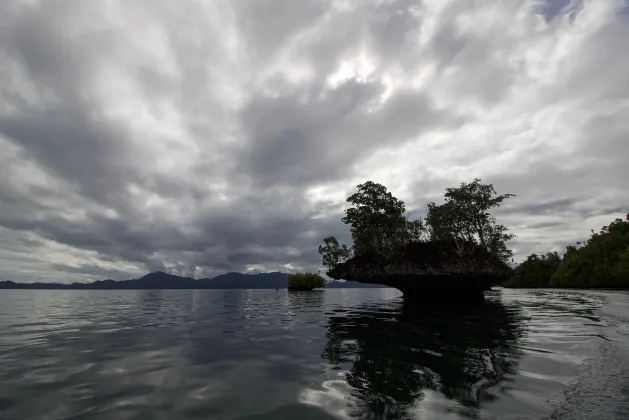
{"type": "Point", "coordinates": [202, 137]}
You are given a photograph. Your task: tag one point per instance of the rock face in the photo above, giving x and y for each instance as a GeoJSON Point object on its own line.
{"type": "Point", "coordinates": [429, 271]}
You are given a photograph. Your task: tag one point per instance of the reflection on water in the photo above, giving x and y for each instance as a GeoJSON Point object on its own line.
{"type": "Point", "coordinates": [393, 354]}
{"type": "Point", "coordinates": [298, 300]}
{"type": "Point", "coordinates": [267, 354]}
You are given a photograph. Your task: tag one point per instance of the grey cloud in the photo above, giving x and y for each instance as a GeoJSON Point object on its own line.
{"type": "Point", "coordinates": [393, 29]}
{"type": "Point", "coordinates": [269, 24]}
{"type": "Point", "coordinates": [95, 271]}
{"type": "Point", "coordinates": [77, 148]}
{"type": "Point", "coordinates": [61, 128]}
{"type": "Point", "coordinates": [541, 207]}
{"type": "Point", "coordinates": [387, 31]}
{"type": "Point", "coordinates": [473, 60]}
{"type": "Point", "coordinates": [224, 238]}
{"type": "Point", "coordinates": [292, 142]}
{"type": "Point", "coordinates": [543, 225]}
{"type": "Point", "coordinates": [591, 80]}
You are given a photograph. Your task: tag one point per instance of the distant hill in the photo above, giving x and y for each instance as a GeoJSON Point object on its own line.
{"type": "Point", "coordinates": [161, 280]}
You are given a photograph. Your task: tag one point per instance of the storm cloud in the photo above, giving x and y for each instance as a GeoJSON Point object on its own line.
{"type": "Point", "coordinates": [202, 137]}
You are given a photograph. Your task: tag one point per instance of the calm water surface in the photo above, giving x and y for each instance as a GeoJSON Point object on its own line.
{"type": "Point", "coordinates": [267, 354]}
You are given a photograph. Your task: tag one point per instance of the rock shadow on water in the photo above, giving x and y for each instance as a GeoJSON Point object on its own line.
{"type": "Point", "coordinates": [394, 357]}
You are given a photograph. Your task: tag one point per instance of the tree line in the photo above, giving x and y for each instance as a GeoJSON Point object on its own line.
{"type": "Point", "coordinates": [600, 262]}
{"type": "Point", "coordinates": [378, 222]}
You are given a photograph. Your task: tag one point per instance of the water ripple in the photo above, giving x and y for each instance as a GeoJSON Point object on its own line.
{"type": "Point", "coordinates": [260, 354]}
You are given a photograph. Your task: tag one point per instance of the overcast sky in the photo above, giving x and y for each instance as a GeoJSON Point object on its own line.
{"type": "Point", "coordinates": [201, 137]}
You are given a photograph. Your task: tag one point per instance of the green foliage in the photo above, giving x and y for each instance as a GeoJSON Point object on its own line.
{"type": "Point", "coordinates": [333, 253]}
{"type": "Point", "coordinates": [465, 216]}
{"type": "Point", "coordinates": [602, 261]}
{"type": "Point", "coordinates": [376, 219]}
{"type": "Point", "coordinates": [377, 222]}
{"type": "Point", "coordinates": [536, 271]}
{"type": "Point", "coordinates": [621, 268]}
{"type": "Point", "coordinates": [301, 281]}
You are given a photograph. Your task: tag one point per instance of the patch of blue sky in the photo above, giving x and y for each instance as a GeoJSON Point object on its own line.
{"type": "Point", "coordinates": [552, 9]}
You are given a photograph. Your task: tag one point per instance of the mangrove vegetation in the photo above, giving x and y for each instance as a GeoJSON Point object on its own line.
{"type": "Point", "coordinates": [305, 281]}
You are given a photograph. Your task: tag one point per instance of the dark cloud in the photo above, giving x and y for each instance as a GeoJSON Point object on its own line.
{"type": "Point", "coordinates": [95, 271]}
{"type": "Point", "coordinates": [76, 148]}
{"type": "Point", "coordinates": [540, 208]}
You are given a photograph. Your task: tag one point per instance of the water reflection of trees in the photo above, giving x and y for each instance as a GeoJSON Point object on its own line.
{"type": "Point", "coordinates": [391, 355]}
{"type": "Point", "coordinates": [298, 300]}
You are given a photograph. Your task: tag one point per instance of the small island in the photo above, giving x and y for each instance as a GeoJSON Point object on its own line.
{"type": "Point", "coordinates": [453, 255]}
{"type": "Point", "coordinates": [305, 281]}
{"type": "Point", "coordinates": [443, 271]}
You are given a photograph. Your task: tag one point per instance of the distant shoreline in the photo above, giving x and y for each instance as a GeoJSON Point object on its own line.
{"type": "Point", "coordinates": [163, 281]}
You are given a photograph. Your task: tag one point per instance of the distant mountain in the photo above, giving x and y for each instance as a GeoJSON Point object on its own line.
{"type": "Point", "coordinates": [161, 280]}
{"type": "Point", "coordinates": [247, 281]}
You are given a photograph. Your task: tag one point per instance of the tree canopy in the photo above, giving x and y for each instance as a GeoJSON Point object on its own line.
{"type": "Point", "coordinates": [378, 222]}
{"type": "Point", "coordinates": [465, 215]}
{"type": "Point", "coordinates": [536, 271]}
{"type": "Point", "coordinates": [600, 262]}
{"type": "Point", "coordinates": [332, 252]}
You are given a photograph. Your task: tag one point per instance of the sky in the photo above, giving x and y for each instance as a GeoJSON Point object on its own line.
{"type": "Point", "coordinates": [203, 137]}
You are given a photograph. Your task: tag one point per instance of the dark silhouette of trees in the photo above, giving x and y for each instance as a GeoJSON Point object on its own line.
{"type": "Point", "coordinates": [465, 216]}
{"type": "Point", "coordinates": [378, 222]}
{"type": "Point", "coordinates": [333, 253]}
{"type": "Point", "coordinates": [601, 262]}
{"type": "Point", "coordinates": [536, 271]}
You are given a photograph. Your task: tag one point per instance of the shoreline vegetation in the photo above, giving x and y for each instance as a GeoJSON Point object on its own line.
{"type": "Point", "coordinates": [601, 262]}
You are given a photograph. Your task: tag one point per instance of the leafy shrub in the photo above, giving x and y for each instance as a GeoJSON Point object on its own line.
{"type": "Point", "coordinates": [305, 281]}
